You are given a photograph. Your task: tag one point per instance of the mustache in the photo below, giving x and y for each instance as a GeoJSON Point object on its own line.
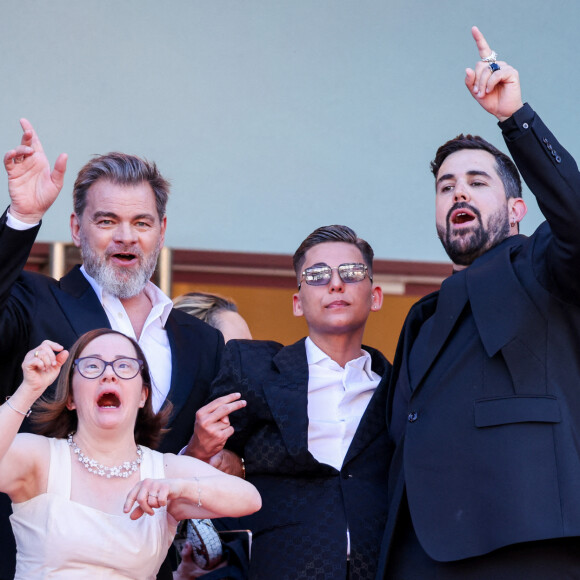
{"type": "Point", "coordinates": [463, 205]}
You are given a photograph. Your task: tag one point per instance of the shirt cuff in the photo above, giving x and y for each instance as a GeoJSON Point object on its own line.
{"type": "Point", "coordinates": [16, 224]}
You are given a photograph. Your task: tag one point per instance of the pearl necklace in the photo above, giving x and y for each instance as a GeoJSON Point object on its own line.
{"type": "Point", "coordinates": [93, 466]}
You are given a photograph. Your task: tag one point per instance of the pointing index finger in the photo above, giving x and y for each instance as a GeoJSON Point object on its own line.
{"type": "Point", "coordinates": [482, 46]}
{"type": "Point", "coordinates": [29, 136]}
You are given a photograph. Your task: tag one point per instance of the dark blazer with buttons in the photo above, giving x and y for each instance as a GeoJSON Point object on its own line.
{"type": "Point", "coordinates": [34, 307]}
{"type": "Point", "coordinates": [488, 416]}
{"type": "Point", "coordinates": [300, 532]}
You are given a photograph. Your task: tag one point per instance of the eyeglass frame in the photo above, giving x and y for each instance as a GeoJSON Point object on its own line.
{"type": "Point", "coordinates": [337, 268]}
{"type": "Point", "coordinates": [107, 363]}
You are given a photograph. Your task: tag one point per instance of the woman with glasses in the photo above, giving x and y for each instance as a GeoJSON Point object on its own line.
{"type": "Point", "coordinates": [90, 498]}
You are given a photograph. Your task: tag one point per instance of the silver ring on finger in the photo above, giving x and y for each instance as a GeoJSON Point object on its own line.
{"type": "Point", "coordinates": [18, 159]}
{"type": "Point", "coordinates": [36, 354]}
{"type": "Point", "coordinates": [491, 58]}
{"type": "Point", "coordinates": [494, 67]}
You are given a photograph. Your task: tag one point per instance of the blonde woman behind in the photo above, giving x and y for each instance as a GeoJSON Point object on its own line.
{"type": "Point", "coordinates": [217, 311]}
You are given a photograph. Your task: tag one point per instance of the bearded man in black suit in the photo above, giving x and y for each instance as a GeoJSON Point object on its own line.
{"type": "Point", "coordinates": [484, 402]}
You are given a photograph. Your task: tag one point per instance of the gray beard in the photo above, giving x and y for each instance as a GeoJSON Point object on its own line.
{"type": "Point", "coordinates": [464, 248]}
{"type": "Point", "coordinates": [120, 283]}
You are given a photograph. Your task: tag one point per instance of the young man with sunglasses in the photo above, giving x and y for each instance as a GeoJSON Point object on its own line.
{"type": "Point", "coordinates": [312, 433]}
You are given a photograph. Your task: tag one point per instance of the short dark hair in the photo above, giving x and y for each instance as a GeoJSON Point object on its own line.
{"type": "Point", "coordinates": [204, 306]}
{"type": "Point", "coordinates": [506, 168]}
{"type": "Point", "coordinates": [121, 169]}
{"type": "Point", "coordinates": [334, 233]}
{"type": "Point", "coordinates": [52, 418]}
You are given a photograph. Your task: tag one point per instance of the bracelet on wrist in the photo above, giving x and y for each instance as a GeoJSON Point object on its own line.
{"type": "Point", "coordinates": [27, 414]}
{"type": "Point", "coordinates": [243, 468]}
{"type": "Point", "coordinates": [199, 504]}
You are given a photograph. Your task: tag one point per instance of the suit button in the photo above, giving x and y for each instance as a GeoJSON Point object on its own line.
{"type": "Point", "coordinates": [558, 159]}
{"type": "Point", "coordinates": [346, 475]}
{"type": "Point", "coordinates": [525, 125]}
{"type": "Point", "coordinates": [549, 147]}
{"type": "Point", "coordinates": [544, 140]}
{"type": "Point", "coordinates": [412, 417]}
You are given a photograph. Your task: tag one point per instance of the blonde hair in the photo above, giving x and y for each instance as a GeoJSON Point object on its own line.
{"type": "Point", "coordinates": [204, 306]}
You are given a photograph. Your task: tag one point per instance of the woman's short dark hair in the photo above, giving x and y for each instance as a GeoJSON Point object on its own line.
{"type": "Point", "coordinates": [52, 418]}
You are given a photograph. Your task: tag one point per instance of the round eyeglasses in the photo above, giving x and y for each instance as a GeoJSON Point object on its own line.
{"type": "Point", "coordinates": [92, 367]}
{"type": "Point", "coordinates": [321, 275]}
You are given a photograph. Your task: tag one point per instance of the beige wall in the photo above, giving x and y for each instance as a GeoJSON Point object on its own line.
{"type": "Point", "coordinates": [268, 312]}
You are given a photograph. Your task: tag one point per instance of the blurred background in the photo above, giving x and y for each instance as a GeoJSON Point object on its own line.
{"type": "Point", "coordinates": [274, 117]}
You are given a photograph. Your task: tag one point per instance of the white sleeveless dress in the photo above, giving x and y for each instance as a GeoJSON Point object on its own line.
{"type": "Point", "coordinates": [59, 538]}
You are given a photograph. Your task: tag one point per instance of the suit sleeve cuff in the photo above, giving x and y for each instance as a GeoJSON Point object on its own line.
{"type": "Point", "coordinates": [518, 124]}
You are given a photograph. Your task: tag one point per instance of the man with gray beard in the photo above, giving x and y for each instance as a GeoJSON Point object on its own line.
{"type": "Point", "coordinates": [119, 224]}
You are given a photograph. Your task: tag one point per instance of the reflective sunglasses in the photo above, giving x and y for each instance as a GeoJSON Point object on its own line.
{"type": "Point", "coordinates": [92, 367]}
{"type": "Point", "coordinates": [321, 275]}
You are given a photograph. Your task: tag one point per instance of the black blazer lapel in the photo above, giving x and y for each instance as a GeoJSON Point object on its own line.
{"type": "Point", "coordinates": [287, 397]}
{"type": "Point", "coordinates": [508, 320]}
{"type": "Point", "coordinates": [450, 303]}
{"type": "Point", "coordinates": [79, 303]}
{"type": "Point", "coordinates": [498, 322]}
{"type": "Point", "coordinates": [374, 420]}
{"type": "Point", "coordinates": [184, 364]}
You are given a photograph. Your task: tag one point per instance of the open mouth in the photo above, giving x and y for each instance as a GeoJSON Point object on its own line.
{"type": "Point", "coordinates": [125, 256]}
{"type": "Point", "coordinates": [461, 216]}
{"type": "Point", "coordinates": [108, 401]}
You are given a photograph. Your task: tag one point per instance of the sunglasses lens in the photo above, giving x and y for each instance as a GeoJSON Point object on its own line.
{"type": "Point", "coordinates": [352, 272]}
{"type": "Point", "coordinates": [317, 275]}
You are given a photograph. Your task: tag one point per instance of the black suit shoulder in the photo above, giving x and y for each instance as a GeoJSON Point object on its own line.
{"type": "Point", "coordinates": [204, 331]}
{"type": "Point", "coordinates": [245, 360]}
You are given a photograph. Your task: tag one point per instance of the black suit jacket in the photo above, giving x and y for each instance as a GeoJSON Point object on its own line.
{"type": "Point", "coordinates": [485, 395]}
{"type": "Point", "coordinates": [300, 532]}
{"type": "Point", "coordinates": [35, 307]}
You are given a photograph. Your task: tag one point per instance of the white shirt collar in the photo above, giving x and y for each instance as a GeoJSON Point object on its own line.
{"type": "Point", "coordinates": [315, 355]}
{"type": "Point", "coordinates": [161, 303]}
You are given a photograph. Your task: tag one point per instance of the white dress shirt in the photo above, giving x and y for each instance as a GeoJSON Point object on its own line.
{"type": "Point", "coordinates": [153, 340]}
{"type": "Point", "coordinates": [337, 400]}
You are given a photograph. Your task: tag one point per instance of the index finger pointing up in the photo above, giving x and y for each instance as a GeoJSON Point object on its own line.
{"type": "Point", "coordinates": [482, 46]}
{"type": "Point", "coordinates": [30, 137]}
